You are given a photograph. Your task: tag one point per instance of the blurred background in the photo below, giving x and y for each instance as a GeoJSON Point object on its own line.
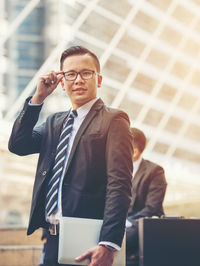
{"type": "Point", "coordinates": [149, 52]}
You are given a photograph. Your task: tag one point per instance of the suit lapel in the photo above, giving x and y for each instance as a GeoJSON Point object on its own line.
{"type": "Point", "coordinates": [57, 127]}
{"type": "Point", "coordinates": [92, 113]}
{"type": "Point", "coordinates": [140, 172]}
{"type": "Point", "coordinates": [137, 179]}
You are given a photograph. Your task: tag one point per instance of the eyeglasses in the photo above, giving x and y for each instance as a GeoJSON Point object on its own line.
{"type": "Point", "coordinates": [85, 74]}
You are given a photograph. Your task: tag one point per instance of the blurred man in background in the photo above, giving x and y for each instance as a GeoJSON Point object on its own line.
{"type": "Point", "coordinates": [148, 191]}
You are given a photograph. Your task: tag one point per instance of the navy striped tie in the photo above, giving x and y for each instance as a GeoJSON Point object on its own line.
{"type": "Point", "coordinates": [52, 192]}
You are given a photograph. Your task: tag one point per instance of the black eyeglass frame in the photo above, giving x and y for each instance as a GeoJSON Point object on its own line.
{"type": "Point", "coordinates": [79, 73]}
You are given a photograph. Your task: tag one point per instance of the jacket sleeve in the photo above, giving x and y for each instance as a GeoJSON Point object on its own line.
{"type": "Point", "coordinates": [24, 138]}
{"type": "Point", "coordinates": [119, 172]}
{"type": "Point", "coordinates": [155, 195]}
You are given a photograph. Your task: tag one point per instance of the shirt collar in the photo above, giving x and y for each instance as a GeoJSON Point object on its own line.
{"type": "Point", "coordinates": [84, 109]}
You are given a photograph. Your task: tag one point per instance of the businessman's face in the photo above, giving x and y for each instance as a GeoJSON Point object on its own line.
{"type": "Point", "coordinates": [84, 86]}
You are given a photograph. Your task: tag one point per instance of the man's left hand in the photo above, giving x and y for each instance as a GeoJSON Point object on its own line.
{"type": "Point", "coordinates": [98, 256]}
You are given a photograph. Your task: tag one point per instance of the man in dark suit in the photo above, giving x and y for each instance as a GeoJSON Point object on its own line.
{"type": "Point", "coordinates": [148, 191]}
{"type": "Point", "coordinates": [95, 177]}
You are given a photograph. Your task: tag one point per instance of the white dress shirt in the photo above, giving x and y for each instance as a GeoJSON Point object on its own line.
{"type": "Point", "coordinates": [136, 166]}
{"type": "Point", "coordinates": [82, 112]}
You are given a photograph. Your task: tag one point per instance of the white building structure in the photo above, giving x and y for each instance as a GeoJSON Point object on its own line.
{"type": "Point", "coordinates": [149, 52]}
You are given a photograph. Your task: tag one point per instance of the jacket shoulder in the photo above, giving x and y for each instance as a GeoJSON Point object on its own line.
{"type": "Point", "coordinates": [114, 113]}
{"type": "Point", "coordinates": [151, 165]}
{"type": "Point", "coordinates": [56, 115]}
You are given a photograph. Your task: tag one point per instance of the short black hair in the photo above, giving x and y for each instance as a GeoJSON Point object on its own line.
{"type": "Point", "coordinates": [79, 50]}
{"type": "Point", "coordinates": [139, 139]}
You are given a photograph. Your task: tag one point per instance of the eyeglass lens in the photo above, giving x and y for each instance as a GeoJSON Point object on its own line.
{"type": "Point", "coordinates": [85, 74]}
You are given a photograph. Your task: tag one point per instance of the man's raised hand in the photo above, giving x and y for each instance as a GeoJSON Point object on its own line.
{"type": "Point", "coordinates": [46, 85]}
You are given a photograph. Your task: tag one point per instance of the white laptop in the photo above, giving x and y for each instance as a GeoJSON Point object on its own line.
{"type": "Point", "coordinates": [77, 235]}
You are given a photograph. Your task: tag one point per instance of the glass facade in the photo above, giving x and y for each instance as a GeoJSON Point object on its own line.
{"type": "Point", "coordinates": [25, 48]}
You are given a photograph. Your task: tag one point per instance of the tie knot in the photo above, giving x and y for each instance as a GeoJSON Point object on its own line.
{"type": "Point", "coordinates": [73, 113]}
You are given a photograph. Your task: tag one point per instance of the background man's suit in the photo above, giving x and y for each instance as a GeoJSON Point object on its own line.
{"type": "Point", "coordinates": [94, 157]}
{"type": "Point", "coordinates": [148, 191]}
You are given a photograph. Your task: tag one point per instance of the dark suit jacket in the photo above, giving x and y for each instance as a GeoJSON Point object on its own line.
{"type": "Point", "coordinates": [97, 181]}
{"type": "Point", "coordinates": [148, 191]}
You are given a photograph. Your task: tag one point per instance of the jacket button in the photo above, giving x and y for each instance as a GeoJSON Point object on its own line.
{"type": "Point", "coordinates": [44, 172]}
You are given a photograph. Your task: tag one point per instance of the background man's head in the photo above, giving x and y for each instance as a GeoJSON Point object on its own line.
{"type": "Point", "coordinates": [79, 50]}
{"type": "Point", "coordinates": [139, 142]}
